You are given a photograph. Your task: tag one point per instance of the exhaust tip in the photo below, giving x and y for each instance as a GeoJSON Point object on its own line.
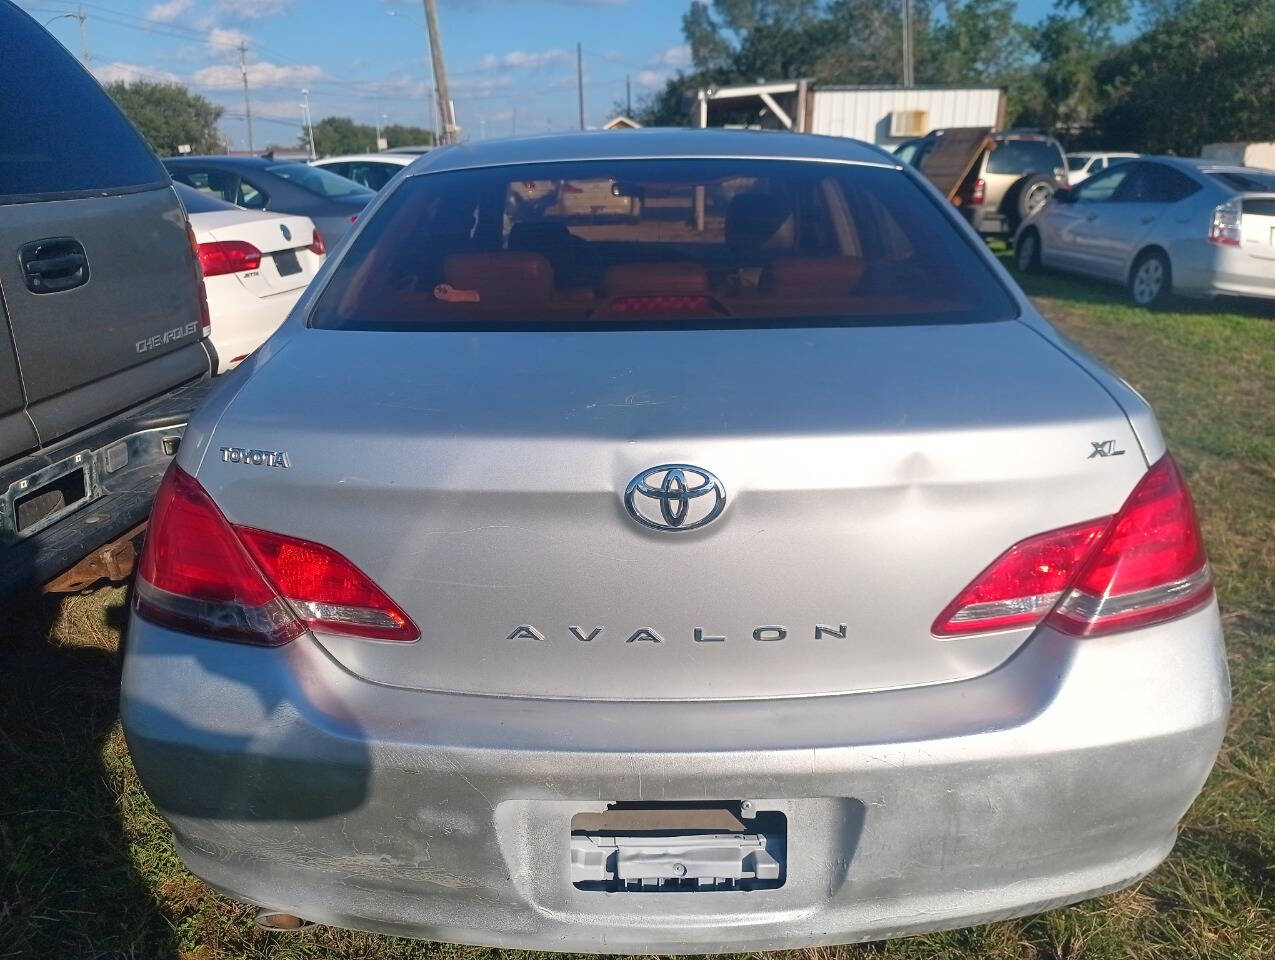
{"type": "Point", "coordinates": [278, 922]}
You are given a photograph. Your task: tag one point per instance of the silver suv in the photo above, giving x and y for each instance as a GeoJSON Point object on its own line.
{"type": "Point", "coordinates": [751, 568]}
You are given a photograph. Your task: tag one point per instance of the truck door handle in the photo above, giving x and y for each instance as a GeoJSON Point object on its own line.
{"type": "Point", "coordinates": [54, 265]}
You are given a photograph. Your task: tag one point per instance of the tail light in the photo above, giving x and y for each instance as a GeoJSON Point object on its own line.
{"type": "Point", "coordinates": [200, 574]}
{"type": "Point", "coordinates": [979, 193]}
{"type": "Point", "coordinates": [317, 245]}
{"type": "Point", "coordinates": [228, 256]}
{"type": "Point", "coordinates": [1225, 225]}
{"type": "Point", "coordinates": [662, 303]}
{"type": "Point", "coordinates": [205, 319]}
{"type": "Point", "coordinates": [1143, 566]}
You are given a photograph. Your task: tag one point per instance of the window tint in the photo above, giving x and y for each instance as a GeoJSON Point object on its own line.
{"type": "Point", "coordinates": [367, 173]}
{"type": "Point", "coordinates": [1246, 181]}
{"type": "Point", "coordinates": [59, 133]}
{"type": "Point", "coordinates": [317, 180]}
{"type": "Point", "coordinates": [200, 201]}
{"type": "Point", "coordinates": [1077, 163]}
{"type": "Point", "coordinates": [250, 197]}
{"type": "Point", "coordinates": [1156, 183]}
{"type": "Point", "coordinates": [1024, 156]}
{"type": "Point", "coordinates": [1101, 186]}
{"type": "Point", "coordinates": [642, 242]}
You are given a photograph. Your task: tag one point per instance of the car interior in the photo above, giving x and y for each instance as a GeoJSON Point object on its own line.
{"type": "Point", "coordinates": [612, 246]}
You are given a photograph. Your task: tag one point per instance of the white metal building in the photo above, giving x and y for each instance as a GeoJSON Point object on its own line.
{"type": "Point", "coordinates": [882, 115]}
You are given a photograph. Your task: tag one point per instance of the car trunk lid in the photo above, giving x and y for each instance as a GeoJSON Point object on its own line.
{"type": "Point", "coordinates": [286, 260]}
{"type": "Point", "coordinates": [870, 473]}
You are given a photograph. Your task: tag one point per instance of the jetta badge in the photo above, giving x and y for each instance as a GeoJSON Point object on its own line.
{"type": "Point", "coordinates": [287, 234]}
{"type": "Point", "coordinates": [675, 497]}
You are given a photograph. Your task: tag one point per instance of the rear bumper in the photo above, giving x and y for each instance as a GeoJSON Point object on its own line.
{"type": "Point", "coordinates": [986, 221]}
{"type": "Point", "coordinates": [241, 322]}
{"type": "Point", "coordinates": [291, 784]}
{"type": "Point", "coordinates": [120, 486]}
{"type": "Point", "coordinates": [1206, 269]}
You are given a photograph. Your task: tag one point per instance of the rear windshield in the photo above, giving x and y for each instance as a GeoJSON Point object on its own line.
{"type": "Point", "coordinates": [318, 181]}
{"type": "Point", "coordinates": [197, 201]}
{"type": "Point", "coordinates": [60, 134]}
{"type": "Point", "coordinates": [1024, 156]}
{"type": "Point", "coordinates": [641, 242]}
{"type": "Point", "coordinates": [1247, 181]}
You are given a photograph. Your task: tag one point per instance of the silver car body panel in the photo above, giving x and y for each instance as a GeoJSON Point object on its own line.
{"type": "Point", "coordinates": [427, 789]}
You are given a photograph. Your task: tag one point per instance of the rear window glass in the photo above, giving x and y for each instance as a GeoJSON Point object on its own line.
{"type": "Point", "coordinates": [197, 201]}
{"type": "Point", "coordinates": [640, 242]}
{"type": "Point", "coordinates": [1247, 181]}
{"type": "Point", "coordinates": [322, 182]}
{"type": "Point", "coordinates": [60, 134]}
{"type": "Point", "coordinates": [1024, 156]}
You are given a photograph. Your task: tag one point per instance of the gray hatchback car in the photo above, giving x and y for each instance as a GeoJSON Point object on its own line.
{"type": "Point", "coordinates": [748, 566]}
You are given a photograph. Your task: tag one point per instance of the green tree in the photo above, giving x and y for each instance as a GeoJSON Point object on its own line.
{"type": "Point", "coordinates": [1201, 73]}
{"type": "Point", "coordinates": [399, 135]}
{"type": "Point", "coordinates": [169, 115]}
{"type": "Point", "coordinates": [336, 135]}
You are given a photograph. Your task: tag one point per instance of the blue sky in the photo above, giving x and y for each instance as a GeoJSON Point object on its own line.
{"type": "Point", "coordinates": [364, 58]}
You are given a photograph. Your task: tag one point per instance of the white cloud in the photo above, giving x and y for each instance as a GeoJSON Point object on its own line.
{"type": "Point", "coordinates": [223, 40]}
{"type": "Point", "coordinates": [120, 71]}
{"type": "Point", "coordinates": [168, 11]}
{"type": "Point", "coordinates": [278, 109]}
{"type": "Point", "coordinates": [252, 9]}
{"type": "Point", "coordinates": [678, 55]}
{"type": "Point", "coordinates": [523, 59]}
{"type": "Point", "coordinates": [651, 78]}
{"type": "Point", "coordinates": [261, 74]}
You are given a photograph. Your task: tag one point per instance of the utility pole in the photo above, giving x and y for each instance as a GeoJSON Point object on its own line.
{"type": "Point", "coordinates": [446, 109]}
{"type": "Point", "coordinates": [309, 123]}
{"type": "Point", "coordinates": [513, 132]}
{"type": "Point", "coordinates": [247, 104]}
{"type": "Point", "coordinates": [909, 78]}
{"type": "Point", "coordinates": [580, 80]}
{"type": "Point", "coordinates": [628, 97]}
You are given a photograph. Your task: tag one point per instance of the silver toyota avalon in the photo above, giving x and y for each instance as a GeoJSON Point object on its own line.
{"type": "Point", "coordinates": [670, 542]}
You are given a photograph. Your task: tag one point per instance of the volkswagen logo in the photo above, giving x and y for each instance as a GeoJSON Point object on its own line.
{"type": "Point", "coordinates": [675, 496]}
{"type": "Point", "coordinates": [287, 234]}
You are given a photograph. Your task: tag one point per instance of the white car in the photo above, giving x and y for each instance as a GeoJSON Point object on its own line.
{"type": "Point", "coordinates": [1085, 163]}
{"type": "Point", "coordinates": [256, 266]}
{"type": "Point", "coordinates": [372, 170]}
{"type": "Point", "coordinates": [1161, 226]}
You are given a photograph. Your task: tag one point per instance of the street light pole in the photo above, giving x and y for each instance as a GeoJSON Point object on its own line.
{"type": "Point", "coordinates": [81, 16]}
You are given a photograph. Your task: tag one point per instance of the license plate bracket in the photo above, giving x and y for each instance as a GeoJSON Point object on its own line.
{"type": "Point", "coordinates": [636, 849]}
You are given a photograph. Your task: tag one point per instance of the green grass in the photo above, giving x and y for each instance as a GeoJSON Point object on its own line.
{"type": "Point", "coordinates": [89, 869]}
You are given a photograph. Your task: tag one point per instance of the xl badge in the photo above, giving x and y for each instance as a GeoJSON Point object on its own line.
{"type": "Point", "coordinates": [675, 497]}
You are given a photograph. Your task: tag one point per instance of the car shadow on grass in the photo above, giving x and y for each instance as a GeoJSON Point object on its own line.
{"type": "Point", "coordinates": [69, 884]}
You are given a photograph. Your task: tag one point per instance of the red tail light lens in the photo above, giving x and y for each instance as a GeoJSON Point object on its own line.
{"type": "Point", "coordinates": [979, 193]}
{"type": "Point", "coordinates": [317, 245]}
{"type": "Point", "coordinates": [205, 319]}
{"type": "Point", "coordinates": [1143, 566]}
{"type": "Point", "coordinates": [1149, 567]}
{"type": "Point", "coordinates": [201, 575]}
{"type": "Point", "coordinates": [672, 303]}
{"type": "Point", "coordinates": [1022, 584]}
{"type": "Point", "coordinates": [228, 256]}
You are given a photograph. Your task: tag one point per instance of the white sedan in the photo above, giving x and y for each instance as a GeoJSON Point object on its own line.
{"type": "Point", "coordinates": [1161, 226]}
{"type": "Point", "coordinates": [1084, 164]}
{"type": "Point", "coordinates": [372, 170]}
{"type": "Point", "coordinates": [255, 265]}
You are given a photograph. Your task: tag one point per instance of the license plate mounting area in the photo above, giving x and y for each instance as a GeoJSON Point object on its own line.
{"type": "Point", "coordinates": [652, 848]}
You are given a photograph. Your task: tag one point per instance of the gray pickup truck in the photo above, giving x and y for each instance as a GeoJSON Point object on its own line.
{"type": "Point", "coordinates": [103, 322]}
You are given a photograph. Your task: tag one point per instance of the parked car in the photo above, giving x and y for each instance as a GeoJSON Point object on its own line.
{"type": "Point", "coordinates": [996, 179]}
{"type": "Point", "coordinates": [102, 320]}
{"type": "Point", "coordinates": [371, 170]}
{"type": "Point", "coordinates": [332, 202]}
{"type": "Point", "coordinates": [255, 265]}
{"type": "Point", "coordinates": [766, 549]}
{"type": "Point", "coordinates": [1085, 163]}
{"type": "Point", "coordinates": [1162, 226]}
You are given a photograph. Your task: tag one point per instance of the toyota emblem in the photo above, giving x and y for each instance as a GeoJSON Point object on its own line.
{"type": "Point", "coordinates": [675, 497]}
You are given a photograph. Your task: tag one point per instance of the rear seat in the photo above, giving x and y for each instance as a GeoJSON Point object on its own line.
{"type": "Point", "coordinates": [499, 276]}
{"type": "Point", "coordinates": [803, 278]}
